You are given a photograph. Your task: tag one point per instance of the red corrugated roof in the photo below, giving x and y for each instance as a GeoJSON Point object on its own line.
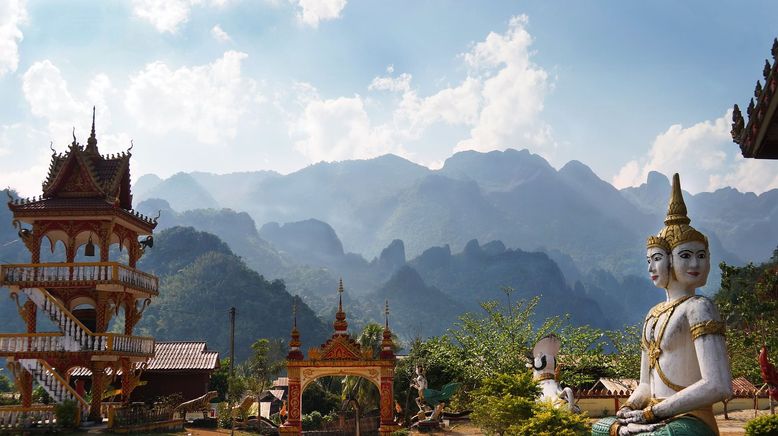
{"type": "Point", "coordinates": [174, 356]}
{"type": "Point", "coordinates": [741, 386]}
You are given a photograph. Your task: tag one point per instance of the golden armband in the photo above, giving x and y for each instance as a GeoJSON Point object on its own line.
{"type": "Point", "coordinates": [648, 415]}
{"type": "Point", "coordinates": [709, 327]}
{"type": "Point", "coordinates": [614, 429]}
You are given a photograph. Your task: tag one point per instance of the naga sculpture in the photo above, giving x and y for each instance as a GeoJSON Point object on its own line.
{"type": "Point", "coordinates": [544, 365]}
{"type": "Point", "coordinates": [684, 368]}
{"type": "Point", "coordinates": [199, 404]}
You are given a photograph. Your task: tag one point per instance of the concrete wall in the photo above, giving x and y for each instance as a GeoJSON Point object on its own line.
{"type": "Point", "coordinates": [599, 407]}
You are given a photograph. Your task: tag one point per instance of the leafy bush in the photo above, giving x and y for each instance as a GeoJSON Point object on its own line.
{"type": "Point", "coordinates": [312, 421]}
{"type": "Point", "coordinates": [400, 433]}
{"type": "Point", "coordinates": [224, 412]}
{"type": "Point", "coordinates": [39, 395]}
{"type": "Point", "coordinates": [66, 413]}
{"type": "Point", "coordinates": [504, 400]}
{"type": "Point", "coordinates": [765, 425]}
{"type": "Point", "coordinates": [548, 421]}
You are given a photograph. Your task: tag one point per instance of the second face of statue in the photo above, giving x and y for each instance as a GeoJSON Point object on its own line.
{"type": "Point", "coordinates": [658, 266]}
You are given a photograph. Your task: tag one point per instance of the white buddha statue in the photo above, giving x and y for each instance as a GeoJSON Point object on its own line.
{"type": "Point", "coordinates": [684, 367]}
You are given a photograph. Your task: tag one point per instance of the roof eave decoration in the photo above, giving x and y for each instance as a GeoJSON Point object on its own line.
{"type": "Point", "coordinates": [751, 135]}
{"type": "Point", "coordinates": [66, 182]}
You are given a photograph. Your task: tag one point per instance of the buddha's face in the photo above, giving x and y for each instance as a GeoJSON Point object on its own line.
{"type": "Point", "coordinates": [658, 266]}
{"type": "Point", "coordinates": [691, 265]}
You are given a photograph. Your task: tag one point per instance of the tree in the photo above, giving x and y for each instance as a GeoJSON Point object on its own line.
{"type": "Point", "coordinates": [219, 381]}
{"type": "Point", "coordinates": [504, 400]}
{"type": "Point", "coordinates": [748, 302]}
{"type": "Point", "coordinates": [262, 366]}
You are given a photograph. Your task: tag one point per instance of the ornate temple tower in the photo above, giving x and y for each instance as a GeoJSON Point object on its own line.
{"type": "Point", "coordinates": [86, 207]}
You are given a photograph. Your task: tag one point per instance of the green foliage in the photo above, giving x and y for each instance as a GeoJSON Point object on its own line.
{"type": "Point", "coordinates": [400, 433]}
{"type": "Point", "coordinates": [39, 395]}
{"type": "Point", "coordinates": [5, 384]}
{"type": "Point", "coordinates": [265, 363]}
{"type": "Point", "coordinates": [504, 400]}
{"type": "Point", "coordinates": [549, 421]}
{"type": "Point", "coordinates": [312, 421]}
{"type": "Point", "coordinates": [765, 425]}
{"type": "Point", "coordinates": [198, 289]}
{"type": "Point", "coordinates": [322, 394]}
{"type": "Point", "coordinates": [66, 413]}
{"type": "Point", "coordinates": [220, 380]}
{"type": "Point", "coordinates": [224, 415]}
{"type": "Point", "coordinates": [748, 301]}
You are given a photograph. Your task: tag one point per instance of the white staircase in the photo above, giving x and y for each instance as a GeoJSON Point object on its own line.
{"type": "Point", "coordinates": [77, 336]}
{"type": "Point", "coordinates": [53, 383]}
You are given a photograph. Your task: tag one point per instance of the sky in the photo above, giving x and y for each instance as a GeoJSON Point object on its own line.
{"type": "Point", "coordinates": [243, 85]}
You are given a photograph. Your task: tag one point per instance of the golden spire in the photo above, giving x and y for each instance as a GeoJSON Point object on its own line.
{"type": "Point", "coordinates": [294, 344]}
{"type": "Point", "coordinates": [340, 324]}
{"type": "Point", "coordinates": [91, 143]}
{"type": "Point", "coordinates": [387, 344]}
{"type": "Point", "coordinates": [676, 210]}
{"type": "Point", "coordinates": [677, 229]}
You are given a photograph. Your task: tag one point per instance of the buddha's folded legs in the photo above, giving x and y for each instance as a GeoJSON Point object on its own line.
{"type": "Point", "coordinates": [681, 426]}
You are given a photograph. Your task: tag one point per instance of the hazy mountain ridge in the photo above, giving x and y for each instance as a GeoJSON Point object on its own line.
{"type": "Point", "coordinates": [512, 196]}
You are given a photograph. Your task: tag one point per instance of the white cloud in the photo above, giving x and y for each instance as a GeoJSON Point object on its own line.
{"type": "Point", "coordinates": [389, 83]}
{"type": "Point", "coordinates": [500, 101]}
{"type": "Point", "coordinates": [220, 35]}
{"type": "Point", "coordinates": [705, 157]}
{"type": "Point", "coordinates": [206, 100]}
{"type": "Point", "coordinates": [457, 105]}
{"type": "Point", "coordinates": [49, 97]}
{"type": "Point", "coordinates": [13, 13]}
{"type": "Point", "coordinates": [513, 93]}
{"type": "Point", "coordinates": [313, 11]}
{"type": "Point", "coordinates": [339, 129]}
{"type": "Point", "coordinates": [167, 15]}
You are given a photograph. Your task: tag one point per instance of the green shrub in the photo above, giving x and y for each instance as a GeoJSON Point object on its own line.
{"type": "Point", "coordinates": [39, 395]}
{"type": "Point", "coordinates": [548, 421]}
{"type": "Point", "coordinates": [312, 421]}
{"type": "Point", "coordinates": [67, 413]}
{"type": "Point", "coordinates": [400, 433]}
{"type": "Point", "coordinates": [504, 400]}
{"type": "Point", "coordinates": [765, 425]}
{"type": "Point", "coordinates": [224, 412]}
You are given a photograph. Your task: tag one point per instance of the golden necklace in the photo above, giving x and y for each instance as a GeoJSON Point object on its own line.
{"type": "Point", "coordinates": [652, 345]}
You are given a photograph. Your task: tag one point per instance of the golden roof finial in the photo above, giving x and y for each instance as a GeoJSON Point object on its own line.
{"type": "Point", "coordinates": [386, 313]}
{"type": "Point", "coordinates": [676, 209]}
{"type": "Point", "coordinates": [677, 229]}
{"type": "Point", "coordinates": [294, 343]}
{"type": "Point", "coordinates": [341, 326]}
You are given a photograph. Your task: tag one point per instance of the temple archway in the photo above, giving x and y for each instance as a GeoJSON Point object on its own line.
{"type": "Point", "coordinates": [340, 356]}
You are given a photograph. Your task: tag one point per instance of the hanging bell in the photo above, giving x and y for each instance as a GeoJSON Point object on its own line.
{"type": "Point", "coordinates": [89, 250]}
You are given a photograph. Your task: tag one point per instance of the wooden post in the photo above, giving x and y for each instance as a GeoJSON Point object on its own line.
{"type": "Point", "coordinates": [232, 367]}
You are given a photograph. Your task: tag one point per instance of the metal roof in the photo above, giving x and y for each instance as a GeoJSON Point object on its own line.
{"type": "Point", "coordinates": [173, 356]}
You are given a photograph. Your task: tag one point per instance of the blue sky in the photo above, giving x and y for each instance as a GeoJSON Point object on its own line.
{"type": "Point", "coordinates": [240, 85]}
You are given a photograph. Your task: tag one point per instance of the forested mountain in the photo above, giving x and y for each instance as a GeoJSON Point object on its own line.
{"type": "Point", "coordinates": [200, 279]}
{"type": "Point", "coordinates": [512, 196]}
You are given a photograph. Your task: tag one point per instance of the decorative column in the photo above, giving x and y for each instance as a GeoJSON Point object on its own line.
{"type": "Point", "coordinates": [98, 386]}
{"type": "Point", "coordinates": [102, 315]}
{"type": "Point", "coordinates": [387, 402]}
{"type": "Point", "coordinates": [293, 424]}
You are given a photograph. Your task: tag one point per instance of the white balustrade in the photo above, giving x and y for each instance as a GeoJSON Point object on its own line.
{"type": "Point", "coordinates": [67, 273]}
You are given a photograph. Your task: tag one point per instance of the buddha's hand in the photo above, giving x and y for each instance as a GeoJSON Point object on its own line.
{"type": "Point", "coordinates": [645, 416]}
{"type": "Point", "coordinates": [631, 429]}
{"type": "Point", "coordinates": [623, 412]}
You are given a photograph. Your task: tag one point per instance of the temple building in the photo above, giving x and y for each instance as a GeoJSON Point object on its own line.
{"type": "Point", "coordinates": [85, 209]}
{"type": "Point", "coordinates": [758, 136]}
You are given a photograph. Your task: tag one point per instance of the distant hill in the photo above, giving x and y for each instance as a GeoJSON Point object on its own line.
{"type": "Point", "coordinates": [200, 279]}
{"type": "Point", "coordinates": [512, 196]}
{"type": "Point", "coordinates": [480, 273]}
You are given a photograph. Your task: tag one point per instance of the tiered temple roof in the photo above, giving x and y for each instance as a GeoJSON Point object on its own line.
{"type": "Point", "coordinates": [758, 136]}
{"type": "Point", "coordinates": [82, 181]}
